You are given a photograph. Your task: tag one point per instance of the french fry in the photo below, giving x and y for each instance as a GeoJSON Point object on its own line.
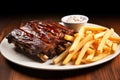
{"type": "Point", "coordinates": [109, 43]}
{"type": "Point", "coordinates": [105, 37]}
{"type": "Point", "coordinates": [115, 47]}
{"type": "Point", "coordinates": [107, 49]}
{"type": "Point", "coordinates": [69, 37]}
{"type": "Point", "coordinates": [90, 53]}
{"type": "Point", "coordinates": [115, 39]}
{"type": "Point", "coordinates": [100, 56]}
{"type": "Point", "coordinates": [76, 34]}
{"type": "Point", "coordinates": [80, 44]}
{"type": "Point", "coordinates": [90, 44]}
{"type": "Point", "coordinates": [77, 39]}
{"type": "Point", "coordinates": [61, 56]}
{"type": "Point", "coordinates": [88, 32]}
{"type": "Point", "coordinates": [95, 28]}
{"type": "Point", "coordinates": [98, 35]}
{"type": "Point", "coordinates": [82, 52]}
{"type": "Point", "coordinates": [89, 50]}
{"type": "Point", "coordinates": [75, 56]}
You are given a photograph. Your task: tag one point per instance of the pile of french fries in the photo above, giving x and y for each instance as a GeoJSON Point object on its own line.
{"type": "Point", "coordinates": [89, 44]}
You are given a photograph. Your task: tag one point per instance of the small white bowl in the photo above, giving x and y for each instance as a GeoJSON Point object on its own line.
{"type": "Point", "coordinates": [74, 21]}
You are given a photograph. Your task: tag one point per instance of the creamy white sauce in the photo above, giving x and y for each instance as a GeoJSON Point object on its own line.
{"type": "Point", "coordinates": [75, 19]}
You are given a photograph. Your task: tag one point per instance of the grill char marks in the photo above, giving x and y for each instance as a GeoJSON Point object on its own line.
{"type": "Point", "coordinates": [40, 37]}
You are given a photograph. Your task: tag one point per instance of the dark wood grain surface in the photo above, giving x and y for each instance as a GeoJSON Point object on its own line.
{"type": "Point", "coordinates": [10, 71]}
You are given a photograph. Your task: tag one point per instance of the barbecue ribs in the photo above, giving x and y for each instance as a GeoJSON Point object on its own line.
{"type": "Point", "coordinates": [44, 39]}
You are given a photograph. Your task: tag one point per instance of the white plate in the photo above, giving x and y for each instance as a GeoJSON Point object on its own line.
{"type": "Point", "coordinates": [7, 50]}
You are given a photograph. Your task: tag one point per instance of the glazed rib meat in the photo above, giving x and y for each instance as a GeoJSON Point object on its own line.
{"type": "Point", "coordinates": [38, 38]}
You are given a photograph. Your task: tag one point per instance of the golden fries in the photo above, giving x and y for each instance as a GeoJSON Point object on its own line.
{"type": "Point", "coordinates": [98, 57]}
{"type": "Point", "coordinates": [82, 52]}
{"type": "Point", "coordinates": [115, 39]}
{"type": "Point", "coordinates": [61, 56]}
{"type": "Point", "coordinates": [95, 28]}
{"type": "Point", "coordinates": [104, 39]}
{"type": "Point", "coordinates": [114, 47]}
{"type": "Point", "coordinates": [77, 39]}
{"type": "Point", "coordinates": [70, 55]}
{"type": "Point", "coordinates": [90, 44]}
{"type": "Point", "coordinates": [69, 38]}
{"type": "Point", "coordinates": [96, 36]}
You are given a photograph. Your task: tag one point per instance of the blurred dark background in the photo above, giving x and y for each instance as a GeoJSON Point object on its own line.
{"type": "Point", "coordinates": [58, 7]}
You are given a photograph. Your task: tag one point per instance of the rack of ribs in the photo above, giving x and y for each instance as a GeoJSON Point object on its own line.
{"type": "Point", "coordinates": [44, 39]}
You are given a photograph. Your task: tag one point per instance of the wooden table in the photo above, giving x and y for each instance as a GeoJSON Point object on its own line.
{"type": "Point", "coordinates": [10, 71]}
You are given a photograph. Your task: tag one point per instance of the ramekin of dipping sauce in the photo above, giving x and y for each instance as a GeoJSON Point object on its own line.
{"type": "Point", "coordinates": [75, 21]}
